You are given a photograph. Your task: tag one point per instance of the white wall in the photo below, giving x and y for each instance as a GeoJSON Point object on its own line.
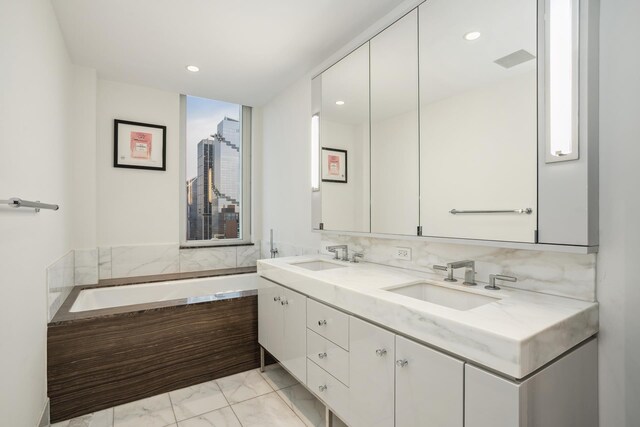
{"type": "Point", "coordinates": [84, 158]}
{"type": "Point", "coordinates": [35, 163]}
{"type": "Point", "coordinates": [284, 178]}
{"type": "Point", "coordinates": [618, 278]}
{"type": "Point", "coordinates": [136, 206]}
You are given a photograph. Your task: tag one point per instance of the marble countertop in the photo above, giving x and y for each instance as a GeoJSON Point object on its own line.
{"type": "Point", "coordinates": [515, 335]}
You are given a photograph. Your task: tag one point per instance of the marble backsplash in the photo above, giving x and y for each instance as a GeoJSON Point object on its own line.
{"type": "Point", "coordinates": [562, 274]}
{"type": "Point", "coordinates": [141, 260]}
{"type": "Point", "coordinates": [286, 249]}
{"type": "Point", "coordinates": [60, 281]}
{"type": "Point", "coordinates": [87, 266]}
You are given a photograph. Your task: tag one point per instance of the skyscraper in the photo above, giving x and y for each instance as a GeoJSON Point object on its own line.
{"type": "Point", "coordinates": [192, 209]}
{"type": "Point", "coordinates": [218, 180]}
{"type": "Point", "coordinates": [227, 160]}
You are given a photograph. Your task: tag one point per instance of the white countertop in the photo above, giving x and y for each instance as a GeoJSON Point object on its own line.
{"type": "Point", "coordinates": [515, 335]}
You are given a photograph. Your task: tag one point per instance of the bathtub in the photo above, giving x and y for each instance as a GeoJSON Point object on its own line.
{"type": "Point", "coordinates": [119, 344]}
{"type": "Point", "coordinates": [193, 290]}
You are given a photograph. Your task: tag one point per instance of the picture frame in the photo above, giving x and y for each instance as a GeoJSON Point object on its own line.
{"type": "Point", "coordinates": [334, 165]}
{"type": "Point", "coordinates": [139, 145]}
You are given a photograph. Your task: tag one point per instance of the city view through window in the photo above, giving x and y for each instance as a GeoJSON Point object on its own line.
{"type": "Point", "coordinates": [213, 169]}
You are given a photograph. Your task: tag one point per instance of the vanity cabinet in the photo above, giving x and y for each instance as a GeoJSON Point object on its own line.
{"type": "Point", "coordinates": [372, 375]}
{"type": "Point", "coordinates": [563, 394]}
{"type": "Point", "coordinates": [396, 381]}
{"type": "Point", "coordinates": [429, 387]}
{"type": "Point", "coordinates": [282, 326]}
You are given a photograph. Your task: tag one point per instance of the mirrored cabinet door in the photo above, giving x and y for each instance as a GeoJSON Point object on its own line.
{"type": "Point", "coordinates": [478, 119]}
{"type": "Point", "coordinates": [344, 143]}
{"type": "Point", "coordinates": [394, 128]}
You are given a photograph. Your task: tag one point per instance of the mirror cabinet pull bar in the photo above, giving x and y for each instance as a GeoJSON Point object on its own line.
{"type": "Point", "coordinates": [517, 211]}
{"type": "Point", "coordinates": [16, 202]}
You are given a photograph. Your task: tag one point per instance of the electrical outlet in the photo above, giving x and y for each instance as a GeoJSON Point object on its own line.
{"type": "Point", "coordinates": [402, 253]}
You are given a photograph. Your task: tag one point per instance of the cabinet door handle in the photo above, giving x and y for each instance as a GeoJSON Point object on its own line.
{"type": "Point", "coordinates": [381, 352]}
{"type": "Point", "coordinates": [284, 302]}
{"type": "Point", "coordinates": [322, 355]}
{"type": "Point", "coordinates": [276, 299]}
{"type": "Point", "coordinates": [401, 363]}
{"type": "Point", "coordinates": [322, 388]}
{"type": "Point", "coordinates": [322, 322]}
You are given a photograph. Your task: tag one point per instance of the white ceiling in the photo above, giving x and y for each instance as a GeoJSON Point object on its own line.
{"type": "Point", "coordinates": [247, 50]}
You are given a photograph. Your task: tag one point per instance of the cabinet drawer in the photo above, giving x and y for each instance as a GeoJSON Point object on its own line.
{"type": "Point", "coordinates": [328, 389]}
{"type": "Point", "coordinates": [329, 356]}
{"type": "Point", "coordinates": [328, 322]}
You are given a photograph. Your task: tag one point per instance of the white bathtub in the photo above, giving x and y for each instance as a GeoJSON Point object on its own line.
{"type": "Point", "coordinates": [194, 290]}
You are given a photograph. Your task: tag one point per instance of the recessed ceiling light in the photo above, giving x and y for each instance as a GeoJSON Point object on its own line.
{"type": "Point", "coordinates": [472, 35]}
{"type": "Point", "coordinates": [339, 102]}
{"type": "Point", "coordinates": [192, 68]}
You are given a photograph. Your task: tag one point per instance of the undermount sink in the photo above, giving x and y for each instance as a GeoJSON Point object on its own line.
{"type": "Point", "coordinates": [452, 298]}
{"type": "Point", "coordinates": [318, 265]}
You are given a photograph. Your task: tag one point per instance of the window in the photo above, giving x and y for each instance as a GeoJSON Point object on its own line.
{"type": "Point", "coordinates": [216, 172]}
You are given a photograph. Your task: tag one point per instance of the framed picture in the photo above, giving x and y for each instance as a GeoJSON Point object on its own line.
{"type": "Point", "coordinates": [139, 145]}
{"type": "Point", "coordinates": [334, 165]}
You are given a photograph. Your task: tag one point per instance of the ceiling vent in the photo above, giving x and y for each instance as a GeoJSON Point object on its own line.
{"type": "Point", "coordinates": [516, 58]}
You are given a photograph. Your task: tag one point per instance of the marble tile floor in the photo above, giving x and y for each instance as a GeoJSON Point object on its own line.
{"type": "Point", "coordinates": [249, 399]}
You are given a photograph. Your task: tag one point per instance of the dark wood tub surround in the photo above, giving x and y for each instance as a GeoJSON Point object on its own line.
{"type": "Point", "coordinates": [102, 361]}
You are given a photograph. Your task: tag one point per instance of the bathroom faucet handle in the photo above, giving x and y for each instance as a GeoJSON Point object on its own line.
{"type": "Point", "coordinates": [492, 281]}
{"type": "Point", "coordinates": [446, 268]}
{"type": "Point", "coordinates": [355, 256]}
{"type": "Point", "coordinates": [334, 250]}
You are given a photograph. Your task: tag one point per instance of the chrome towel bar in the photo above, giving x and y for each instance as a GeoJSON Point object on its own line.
{"type": "Point", "coordinates": [517, 211]}
{"type": "Point", "coordinates": [16, 202]}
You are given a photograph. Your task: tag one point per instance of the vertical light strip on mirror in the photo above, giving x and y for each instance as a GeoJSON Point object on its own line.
{"type": "Point", "coordinates": [315, 152]}
{"type": "Point", "coordinates": [562, 66]}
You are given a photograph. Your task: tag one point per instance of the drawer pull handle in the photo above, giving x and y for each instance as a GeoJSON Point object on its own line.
{"type": "Point", "coordinates": [322, 355]}
{"type": "Point", "coordinates": [322, 322]}
{"type": "Point", "coordinates": [322, 388]}
{"type": "Point", "coordinates": [381, 352]}
{"type": "Point", "coordinates": [276, 299]}
{"type": "Point", "coordinates": [284, 302]}
{"type": "Point", "coordinates": [401, 363]}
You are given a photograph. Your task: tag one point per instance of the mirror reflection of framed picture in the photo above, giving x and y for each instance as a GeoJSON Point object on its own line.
{"type": "Point", "coordinates": [139, 145]}
{"type": "Point", "coordinates": [334, 165]}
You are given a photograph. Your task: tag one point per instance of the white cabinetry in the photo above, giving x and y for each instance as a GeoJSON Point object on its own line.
{"type": "Point", "coordinates": [429, 387]}
{"type": "Point", "coordinates": [563, 394]}
{"type": "Point", "coordinates": [329, 356]}
{"type": "Point", "coordinates": [329, 323]}
{"type": "Point", "coordinates": [372, 377]}
{"type": "Point", "coordinates": [393, 377]}
{"type": "Point", "coordinates": [270, 317]}
{"type": "Point", "coordinates": [281, 326]}
{"type": "Point", "coordinates": [372, 371]}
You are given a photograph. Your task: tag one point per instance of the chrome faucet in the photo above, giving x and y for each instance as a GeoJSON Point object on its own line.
{"type": "Point", "coordinates": [469, 273]}
{"type": "Point", "coordinates": [274, 251]}
{"type": "Point", "coordinates": [355, 256]}
{"type": "Point", "coordinates": [492, 281]}
{"type": "Point", "coordinates": [334, 250]}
